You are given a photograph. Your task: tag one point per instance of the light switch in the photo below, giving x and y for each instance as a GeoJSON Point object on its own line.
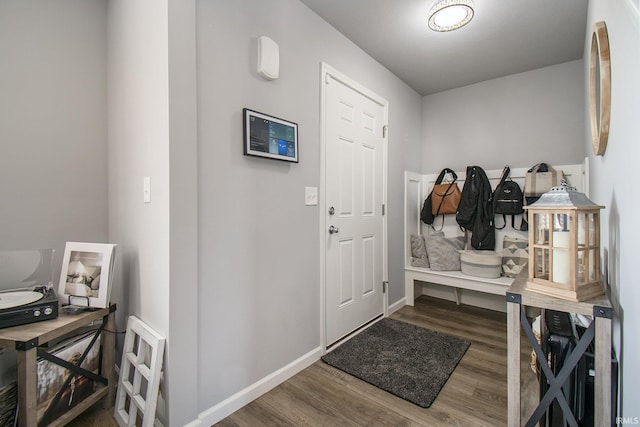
{"type": "Point", "coordinates": [146, 189]}
{"type": "Point", "coordinates": [310, 196]}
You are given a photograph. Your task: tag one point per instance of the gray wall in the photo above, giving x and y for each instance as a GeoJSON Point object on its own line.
{"type": "Point", "coordinates": [520, 120]}
{"type": "Point", "coordinates": [53, 156]}
{"type": "Point", "coordinates": [613, 185]}
{"type": "Point", "coordinates": [181, 355]}
{"type": "Point", "coordinates": [259, 283]}
{"type": "Point", "coordinates": [138, 147]}
{"type": "Point", "coordinates": [152, 132]}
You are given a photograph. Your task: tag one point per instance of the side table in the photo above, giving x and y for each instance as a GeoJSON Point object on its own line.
{"type": "Point", "coordinates": [28, 339]}
{"type": "Point", "coordinates": [600, 308]}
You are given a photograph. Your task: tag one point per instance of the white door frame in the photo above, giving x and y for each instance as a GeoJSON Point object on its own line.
{"type": "Point", "coordinates": [328, 72]}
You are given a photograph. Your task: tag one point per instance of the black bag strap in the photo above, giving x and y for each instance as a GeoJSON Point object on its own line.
{"type": "Point", "coordinates": [539, 167]}
{"type": "Point", "coordinates": [443, 173]}
{"type": "Point", "coordinates": [504, 219]}
{"type": "Point", "coordinates": [505, 174]}
{"type": "Point", "coordinates": [434, 221]}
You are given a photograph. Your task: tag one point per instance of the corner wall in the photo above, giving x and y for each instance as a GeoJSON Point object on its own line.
{"type": "Point", "coordinates": [138, 117]}
{"type": "Point", "coordinates": [153, 133]}
{"type": "Point", "coordinates": [182, 351]}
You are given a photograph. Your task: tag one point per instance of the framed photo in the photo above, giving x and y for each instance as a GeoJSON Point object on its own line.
{"type": "Point", "coordinates": [271, 137]}
{"type": "Point", "coordinates": [85, 279]}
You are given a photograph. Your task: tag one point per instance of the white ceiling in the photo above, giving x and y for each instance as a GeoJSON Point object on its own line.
{"type": "Point", "coordinates": [505, 37]}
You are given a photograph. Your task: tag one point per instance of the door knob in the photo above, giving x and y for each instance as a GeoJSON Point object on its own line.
{"type": "Point", "coordinates": [333, 230]}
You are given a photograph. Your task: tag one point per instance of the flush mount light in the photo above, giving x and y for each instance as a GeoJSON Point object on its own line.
{"type": "Point", "coordinates": [448, 15]}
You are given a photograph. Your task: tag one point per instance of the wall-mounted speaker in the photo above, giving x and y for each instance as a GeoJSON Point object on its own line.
{"type": "Point", "coordinates": [268, 58]}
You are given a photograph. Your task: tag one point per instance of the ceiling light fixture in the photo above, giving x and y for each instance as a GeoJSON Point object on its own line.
{"type": "Point", "coordinates": [449, 15]}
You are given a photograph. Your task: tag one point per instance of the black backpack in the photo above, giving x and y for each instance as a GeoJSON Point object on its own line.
{"type": "Point", "coordinates": [507, 198]}
{"type": "Point", "coordinates": [475, 210]}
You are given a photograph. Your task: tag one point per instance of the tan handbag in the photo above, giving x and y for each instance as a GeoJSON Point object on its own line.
{"type": "Point", "coordinates": [431, 208]}
{"type": "Point", "coordinates": [445, 199]}
{"type": "Point", "coordinates": [540, 179]}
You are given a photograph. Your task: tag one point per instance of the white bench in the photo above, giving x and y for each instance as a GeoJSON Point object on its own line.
{"type": "Point", "coordinates": [456, 280]}
{"type": "Point", "coordinates": [417, 188]}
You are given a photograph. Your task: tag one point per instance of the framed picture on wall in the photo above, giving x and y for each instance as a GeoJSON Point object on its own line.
{"type": "Point", "coordinates": [85, 278]}
{"type": "Point", "coordinates": [270, 137]}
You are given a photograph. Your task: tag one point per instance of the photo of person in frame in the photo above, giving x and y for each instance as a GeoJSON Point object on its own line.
{"type": "Point", "coordinates": [83, 274]}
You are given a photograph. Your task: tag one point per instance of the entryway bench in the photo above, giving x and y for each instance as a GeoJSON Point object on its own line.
{"type": "Point", "coordinates": [416, 189]}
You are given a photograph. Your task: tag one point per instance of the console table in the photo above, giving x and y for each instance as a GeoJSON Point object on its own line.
{"type": "Point", "coordinates": [600, 308]}
{"type": "Point", "coordinates": [28, 339]}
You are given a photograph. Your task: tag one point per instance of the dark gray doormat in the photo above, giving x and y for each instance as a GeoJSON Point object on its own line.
{"type": "Point", "coordinates": [411, 362]}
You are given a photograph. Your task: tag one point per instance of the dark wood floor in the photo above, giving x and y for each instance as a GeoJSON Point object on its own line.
{"type": "Point", "coordinates": [474, 395]}
{"type": "Point", "coordinates": [96, 416]}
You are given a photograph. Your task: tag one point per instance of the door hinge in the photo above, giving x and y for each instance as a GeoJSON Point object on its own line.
{"type": "Point", "coordinates": [385, 286]}
{"type": "Point", "coordinates": [384, 131]}
{"type": "Point", "coordinates": [383, 209]}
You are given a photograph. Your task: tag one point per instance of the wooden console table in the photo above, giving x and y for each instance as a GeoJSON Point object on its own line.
{"type": "Point", "coordinates": [27, 339]}
{"type": "Point", "coordinates": [600, 308]}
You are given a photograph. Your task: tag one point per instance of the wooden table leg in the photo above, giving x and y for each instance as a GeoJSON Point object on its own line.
{"type": "Point", "coordinates": [27, 384]}
{"type": "Point", "coordinates": [513, 364]}
{"type": "Point", "coordinates": [108, 360]}
{"type": "Point", "coordinates": [602, 415]}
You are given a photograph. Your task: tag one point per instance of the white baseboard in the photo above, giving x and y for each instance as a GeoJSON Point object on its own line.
{"type": "Point", "coordinates": [228, 406]}
{"type": "Point", "coordinates": [397, 305]}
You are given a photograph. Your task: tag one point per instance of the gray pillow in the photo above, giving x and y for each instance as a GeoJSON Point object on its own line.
{"type": "Point", "coordinates": [418, 252]}
{"type": "Point", "coordinates": [444, 252]}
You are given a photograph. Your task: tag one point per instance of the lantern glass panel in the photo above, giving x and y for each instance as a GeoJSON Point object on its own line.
{"type": "Point", "coordinates": [586, 229]}
{"type": "Point", "coordinates": [541, 224]}
{"type": "Point", "coordinates": [583, 267]}
{"type": "Point", "coordinates": [541, 267]}
{"type": "Point", "coordinates": [593, 257]}
{"type": "Point", "coordinates": [583, 225]}
{"type": "Point", "coordinates": [560, 222]}
{"type": "Point", "coordinates": [561, 258]}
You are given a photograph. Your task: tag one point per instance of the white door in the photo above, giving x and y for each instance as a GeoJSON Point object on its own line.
{"type": "Point", "coordinates": [354, 175]}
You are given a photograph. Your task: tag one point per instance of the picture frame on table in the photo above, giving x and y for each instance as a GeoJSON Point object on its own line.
{"type": "Point", "coordinates": [85, 278]}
